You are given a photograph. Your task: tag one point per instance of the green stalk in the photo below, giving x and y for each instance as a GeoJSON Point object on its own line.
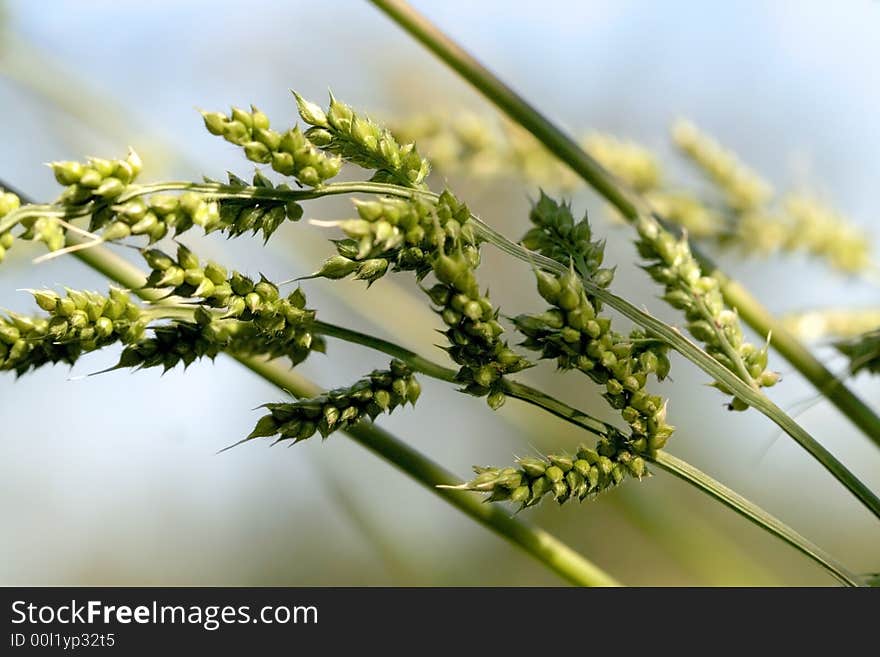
{"type": "Point", "coordinates": [434, 370]}
{"type": "Point", "coordinates": [671, 464]}
{"type": "Point", "coordinates": [742, 506]}
{"type": "Point", "coordinates": [416, 362]}
{"type": "Point", "coordinates": [630, 206]}
{"type": "Point", "coordinates": [214, 190]}
{"type": "Point", "coordinates": [543, 546]}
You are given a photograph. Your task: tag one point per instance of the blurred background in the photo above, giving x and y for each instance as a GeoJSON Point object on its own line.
{"type": "Point", "coordinates": [114, 479]}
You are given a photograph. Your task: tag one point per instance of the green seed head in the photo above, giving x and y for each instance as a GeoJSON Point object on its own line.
{"type": "Point", "coordinates": [46, 299]}
{"type": "Point", "coordinates": [372, 270]}
{"type": "Point", "coordinates": [215, 122]}
{"type": "Point", "coordinates": [549, 286]}
{"type": "Point", "coordinates": [157, 260]}
{"type": "Point", "coordinates": [116, 231]}
{"type": "Point", "coordinates": [259, 121]}
{"type": "Point", "coordinates": [310, 112]}
{"type": "Point", "coordinates": [337, 267]}
{"type": "Point", "coordinates": [256, 151]}
{"type": "Point", "coordinates": [496, 399]}
{"type": "Point", "coordinates": [533, 467]}
{"type": "Point", "coordinates": [67, 173]}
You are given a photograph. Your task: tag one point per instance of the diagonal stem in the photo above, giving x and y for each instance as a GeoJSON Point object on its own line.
{"type": "Point", "coordinates": [688, 473]}
{"type": "Point", "coordinates": [429, 368]}
{"type": "Point", "coordinates": [631, 206]}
